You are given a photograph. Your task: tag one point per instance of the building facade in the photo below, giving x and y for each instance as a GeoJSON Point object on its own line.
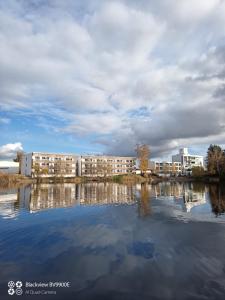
{"type": "Point", "coordinates": [39, 164]}
{"type": "Point", "coordinates": [49, 164]}
{"type": "Point", "coordinates": [102, 165]}
{"type": "Point", "coordinates": [166, 168]}
{"type": "Point", "coordinates": [187, 160]}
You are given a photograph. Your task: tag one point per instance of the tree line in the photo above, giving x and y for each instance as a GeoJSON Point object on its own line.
{"type": "Point", "coordinates": [216, 161]}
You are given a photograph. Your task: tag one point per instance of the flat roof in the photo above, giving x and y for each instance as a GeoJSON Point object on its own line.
{"type": "Point", "coordinates": [8, 164]}
{"type": "Point", "coordinates": [113, 156]}
{"type": "Point", "coordinates": [52, 153]}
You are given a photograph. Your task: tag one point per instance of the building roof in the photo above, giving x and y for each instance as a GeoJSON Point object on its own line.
{"type": "Point", "coordinates": [51, 153]}
{"type": "Point", "coordinates": [8, 164]}
{"type": "Point", "coordinates": [105, 156]}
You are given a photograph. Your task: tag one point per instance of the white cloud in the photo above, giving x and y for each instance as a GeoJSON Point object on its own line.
{"type": "Point", "coordinates": [97, 63]}
{"type": "Point", "coordinates": [9, 151]}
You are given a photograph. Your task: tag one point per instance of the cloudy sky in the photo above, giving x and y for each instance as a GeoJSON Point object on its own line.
{"type": "Point", "coordinates": [89, 76]}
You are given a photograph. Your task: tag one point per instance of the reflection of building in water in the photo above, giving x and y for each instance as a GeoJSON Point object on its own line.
{"type": "Point", "coordinates": [46, 196]}
{"type": "Point", "coordinates": [217, 198]}
{"type": "Point", "coordinates": [9, 205]}
{"type": "Point", "coordinates": [103, 193]}
{"type": "Point", "coordinates": [186, 195]}
{"type": "Point", "coordinates": [194, 195]}
{"type": "Point", "coordinates": [168, 189]}
{"type": "Point", "coordinates": [192, 199]}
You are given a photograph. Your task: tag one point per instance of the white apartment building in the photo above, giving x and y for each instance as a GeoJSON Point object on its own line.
{"type": "Point", "coordinates": [165, 167]}
{"type": "Point", "coordinates": [104, 165]}
{"type": "Point", "coordinates": [49, 164]}
{"type": "Point", "coordinates": [188, 161]}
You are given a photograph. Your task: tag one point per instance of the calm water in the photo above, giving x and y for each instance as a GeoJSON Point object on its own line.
{"type": "Point", "coordinates": [113, 241]}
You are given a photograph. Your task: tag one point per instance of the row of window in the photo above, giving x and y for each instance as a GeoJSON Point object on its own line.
{"type": "Point", "coordinates": [53, 158]}
{"type": "Point", "coordinates": [54, 165]}
{"type": "Point", "coordinates": [89, 166]}
{"type": "Point", "coordinates": [112, 171]}
{"type": "Point", "coordinates": [108, 160]}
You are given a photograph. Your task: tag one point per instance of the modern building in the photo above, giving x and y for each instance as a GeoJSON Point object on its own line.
{"type": "Point", "coordinates": [39, 164]}
{"type": "Point", "coordinates": [104, 165]}
{"type": "Point", "coordinates": [9, 167]}
{"type": "Point", "coordinates": [166, 168]}
{"type": "Point", "coordinates": [188, 161]}
{"type": "Point", "coordinates": [49, 164]}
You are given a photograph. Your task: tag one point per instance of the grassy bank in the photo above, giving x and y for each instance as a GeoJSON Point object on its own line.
{"type": "Point", "coordinates": [129, 179]}
{"type": "Point", "coordinates": [58, 179]}
{"type": "Point", "coordinates": [13, 180]}
{"type": "Point", "coordinates": [126, 179]}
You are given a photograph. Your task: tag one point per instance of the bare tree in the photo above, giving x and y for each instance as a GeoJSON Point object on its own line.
{"type": "Point", "coordinates": [143, 153]}
{"type": "Point", "coordinates": [166, 168]}
{"type": "Point", "coordinates": [18, 159]}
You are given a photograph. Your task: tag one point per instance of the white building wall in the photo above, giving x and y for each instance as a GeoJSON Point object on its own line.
{"type": "Point", "coordinates": [48, 160]}
{"type": "Point", "coordinates": [96, 165]}
{"type": "Point", "coordinates": [26, 164]}
{"type": "Point", "coordinates": [187, 160]}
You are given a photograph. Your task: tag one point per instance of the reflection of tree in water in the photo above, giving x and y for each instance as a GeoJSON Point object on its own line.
{"type": "Point", "coordinates": [198, 187]}
{"type": "Point", "coordinates": [144, 208]}
{"type": "Point", "coordinates": [217, 197]}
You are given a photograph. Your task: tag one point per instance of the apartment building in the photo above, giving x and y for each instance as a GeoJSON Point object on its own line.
{"type": "Point", "coordinates": [188, 161]}
{"type": "Point", "coordinates": [165, 167]}
{"type": "Point", "coordinates": [102, 165]}
{"type": "Point", "coordinates": [49, 164]}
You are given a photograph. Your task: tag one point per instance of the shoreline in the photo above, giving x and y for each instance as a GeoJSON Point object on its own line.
{"type": "Point", "coordinates": [15, 180]}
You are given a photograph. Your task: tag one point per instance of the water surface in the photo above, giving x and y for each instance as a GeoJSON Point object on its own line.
{"type": "Point", "coordinates": [113, 241]}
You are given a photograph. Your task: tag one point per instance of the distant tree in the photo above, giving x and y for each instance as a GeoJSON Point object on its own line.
{"type": "Point", "coordinates": [45, 171]}
{"type": "Point", "coordinates": [215, 160]}
{"type": "Point", "coordinates": [18, 159]}
{"type": "Point", "coordinates": [166, 168]}
{"type": "Point", "coordinates": [174, 169]}
{"type": "Point", "coordinates": [143, 153]}
{"type": "Point", "coordinates": [37, 170]}
{"type": "Point", "coordinates": [198, 171]}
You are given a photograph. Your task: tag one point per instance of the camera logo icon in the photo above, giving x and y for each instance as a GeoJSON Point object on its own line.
{"type": "Point", "coordinates": [15, 288]}
{"type": "Point", "coordinates": [11, 291]}
{"type": "Point", "coordinates": [19, 291]}
{"type": "Point", "coordinates": [19, 284]}
{"type": "Point", "coordinates": [11, 284]}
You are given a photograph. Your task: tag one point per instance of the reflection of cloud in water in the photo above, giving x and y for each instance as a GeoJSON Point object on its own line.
{"type": "Point", "coordinates": [182, 200]}
{"type": "Point", "coordinates": [8, 205]}
{"type": "Point", "coordinates": [113, 250]}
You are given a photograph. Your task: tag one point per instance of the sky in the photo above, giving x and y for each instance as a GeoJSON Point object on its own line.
{"type": "Point", "coordinates": [95, 76]}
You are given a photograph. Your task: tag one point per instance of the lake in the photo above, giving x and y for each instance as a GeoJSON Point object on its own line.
{"type": "Point", "coordinates": [113, 241]}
